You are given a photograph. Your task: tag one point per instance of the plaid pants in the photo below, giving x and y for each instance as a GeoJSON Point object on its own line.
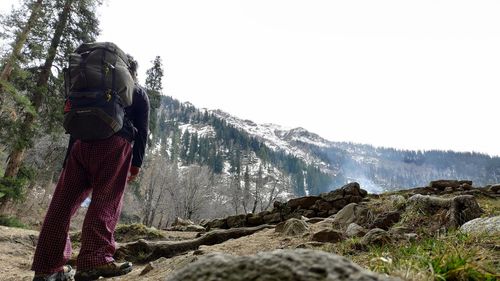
{"type": "Point", "coordinates": [100, 167]}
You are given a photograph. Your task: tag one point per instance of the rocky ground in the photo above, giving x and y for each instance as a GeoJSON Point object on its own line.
{"type": "Point", "coordinates": [389, 234]}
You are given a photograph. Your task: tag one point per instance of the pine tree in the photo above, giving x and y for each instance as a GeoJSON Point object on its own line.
{"type": "Point", "coordinates": [154, 89]}
{"type": "Point", "coordinates": [73, 22]}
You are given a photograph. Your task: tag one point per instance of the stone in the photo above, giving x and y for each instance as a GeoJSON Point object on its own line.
{"type": "Point", "coordinates": [327, 235]}
{"type": "Point", "coordinates": [314, 220]}
{"type": "Point", "coordinates": [494, 188]}
{"type": "Point", "coordinates": [482, 225]}
{"type": "Point", "coordinates": [442, 184]}
{"type": "Point", "coordinates": [398, 201]}
{"type": "Point", "coordinates": [377, 237]}
{"type": "Point", "coordinates": [310, 245]}
{"type": "Point", "coordinates": [292, 227]}
{"type": "Point", "coordinates": [195, 228]}
{"type": "Point", "coordinates": [217, 223]}
{"type": "Point", "coordinates": [236, 221]}
{"type": "Point", "coordinates": [322, 206]}
{"type": "Point", "coordinates": [297, 265]}
{"type": "Point", "coordinates": [355, 230]}
{"type": "Point", "coordinates": [339, 204]}
{"type": "Point", "coordinates": [272, 218]}
{"type": "Point", "coordinates": [386, 220]}
{"type": "Point", "coordinates": [351, 213]}
{"type": "Point", "coordinates": [350, 189]}
{"type": "Point", "coordinates": [255, 220]}
{"type": "Point", "coordinates": [182, 222]}
{"type": "Point", "coordinates": [153, 265]}
{"type": "Point", "coordinates": [305, 202]}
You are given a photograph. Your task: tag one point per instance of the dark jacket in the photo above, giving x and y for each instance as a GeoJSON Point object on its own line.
{"type": "Point", "coordinates": [135, 126]}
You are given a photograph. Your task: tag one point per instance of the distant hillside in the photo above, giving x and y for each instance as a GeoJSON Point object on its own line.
{"type": "Point", "coordinates": [241, 148]}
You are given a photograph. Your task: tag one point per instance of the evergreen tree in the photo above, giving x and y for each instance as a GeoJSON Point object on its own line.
{"type": "Point", "coordinates": [72, 22]}
{"type": "Point", "coordinates": [186, 137]}
{"type": "Point", "coordinates": [154, 89]}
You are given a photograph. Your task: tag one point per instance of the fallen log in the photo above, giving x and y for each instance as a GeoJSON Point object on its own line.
{"type": "Point", "coordinates": [143, 251]}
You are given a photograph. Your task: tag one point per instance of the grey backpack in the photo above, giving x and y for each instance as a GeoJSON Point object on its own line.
{"type": "Point", "coordinates": [98, 86]}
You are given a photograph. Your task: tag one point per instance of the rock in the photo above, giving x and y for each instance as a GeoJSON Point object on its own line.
{"type": "Point", "coordinates": [314, 220]}
{"type": "Point", "coordinates": [326, 223]}
{"type": "Point", "coordinates": [398, 201]}
{"type": "Point", "coordinates": [400, 230]}
{"type": "Point", "coordinates": [448, 189]}
{"type": "Point", "coordinates": [310, 245]}
{"type": "Point", "coordinates": [182, 222]}
{"type": "Point", "coordinates": [351, 213]}
{"type": "Point", "coordinates": [350, 189]}
{"type": "Point", "coordinates": [236, 221]}
{"type": "Point", "coordinates": [494, 188]}
{"type": "Point", "coordinates": [442, 184]}
{"type": "Point", "coordinates": [255, 220]}
{"type": "Point", "coordinates": [292, 227]}
{"type": "Point", "coordinates": [153, 265]}
{"type": "Point", "coordinates": [217, 223]}
{"type": "Point", "coordinates": [355, 230]}
{"type": "Point", "coordinates": [302, 202]}
{"type": "Point", "coordinates": [272, 218]}
{"type": "Point", "coordinates": [386, 220]}
{"type": "Point", "coordinates": [411, 236]}
{"type": "Point", "coordinates": [195, 228]}
{"type": "Point", "coordinates": [328, 235]}
{"type": "Point", "coordinates": [190, 228]}
{"type": "Point", "coordinates": [457, 210]}
{"type": "Point", "coordinates": [322, 206]}
{"type": "Point", "coordinates": [482, 225]}
{"type": "Point", "coordinates": [296, 265]}
{"type": "Point", "coordinates": [377, 237]}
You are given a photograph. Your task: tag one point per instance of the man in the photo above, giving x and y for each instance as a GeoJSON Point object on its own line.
{"type": "Point", "coordinates": [99, 167]}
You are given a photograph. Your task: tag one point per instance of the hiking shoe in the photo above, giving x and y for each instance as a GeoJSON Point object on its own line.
{"type": "Point", "coordinates": [106, 270]}
{"type": "Point", "coordinates": [66, 275]}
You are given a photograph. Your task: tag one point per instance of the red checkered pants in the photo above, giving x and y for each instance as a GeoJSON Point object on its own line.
{"type": "Point", "coordinates": [99, 167]}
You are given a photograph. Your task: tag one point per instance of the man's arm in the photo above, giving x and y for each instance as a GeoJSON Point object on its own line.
{"type": "Point", "coordinates": [141, 123]}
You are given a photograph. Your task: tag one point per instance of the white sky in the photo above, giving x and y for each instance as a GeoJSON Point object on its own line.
{"type": "Point", "coordinates": [404, 74]}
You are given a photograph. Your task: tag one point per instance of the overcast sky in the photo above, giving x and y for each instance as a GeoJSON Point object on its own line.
{"type": "Point", "coordinates": [404, 74]}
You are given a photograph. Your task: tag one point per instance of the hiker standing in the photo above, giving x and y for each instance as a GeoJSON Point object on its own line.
{"type": "Point", "coordinates": [95, 163]}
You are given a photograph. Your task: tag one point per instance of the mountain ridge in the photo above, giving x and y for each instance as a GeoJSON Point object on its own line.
{"type": "Point", "coordinates": [377, 168]}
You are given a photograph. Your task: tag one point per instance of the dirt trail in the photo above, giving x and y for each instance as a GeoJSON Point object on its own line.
{"type": "Point", "coordinates": [17, 247]}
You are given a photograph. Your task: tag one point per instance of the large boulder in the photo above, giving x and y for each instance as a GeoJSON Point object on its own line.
{"type": "Point", "coordinates": [355, 230]}
{"type": "Point", "coordinates": [292, 227]}
{"type": "Point", "coordinates": [352, 213]}
{"type": "Point", "coordinates": [349, 193]}
{"type": "Point", "coordinates": [293, 265]}
{"type": "Point", "coordinates": [327, 235]}
{"type": "Point", "coordinates": [302, 202]}
{"type": "Point", "coordinates": [236, 221]}
{"type": "Point", "coordinates": [386, 219]}
{"type": "Point", "coordinates": [377, 237]}
{"type": "Point", "coordinates": [482, 225]}
{"type": "Point", "coordinates": [451, 184]}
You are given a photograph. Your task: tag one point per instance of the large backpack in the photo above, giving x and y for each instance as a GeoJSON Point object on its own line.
{"type": "Point", "coordinates": [98, 86]}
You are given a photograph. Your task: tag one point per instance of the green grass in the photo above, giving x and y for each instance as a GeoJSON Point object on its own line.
{"type": "Point", "coordinates": [454, 256]}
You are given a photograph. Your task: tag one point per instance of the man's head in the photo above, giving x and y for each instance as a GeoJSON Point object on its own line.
{"type": "Point", "coordinates": [133, 66]}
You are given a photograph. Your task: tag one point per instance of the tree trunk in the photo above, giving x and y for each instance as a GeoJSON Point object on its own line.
{"type": "Point", "coordinates": [20, 40]}
{"type": "Point", "coordinates": [17, 154]}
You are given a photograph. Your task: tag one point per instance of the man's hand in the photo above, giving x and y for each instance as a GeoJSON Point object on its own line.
{"type": "Point", "coordinates": [134, 171]}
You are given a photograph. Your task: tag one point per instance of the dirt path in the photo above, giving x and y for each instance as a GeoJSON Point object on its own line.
{"type": "Point", "coordinates": [17, 247]}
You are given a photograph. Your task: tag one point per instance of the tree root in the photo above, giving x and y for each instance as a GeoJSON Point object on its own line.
{"type": "Point", "coordinates": [143, 251]}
